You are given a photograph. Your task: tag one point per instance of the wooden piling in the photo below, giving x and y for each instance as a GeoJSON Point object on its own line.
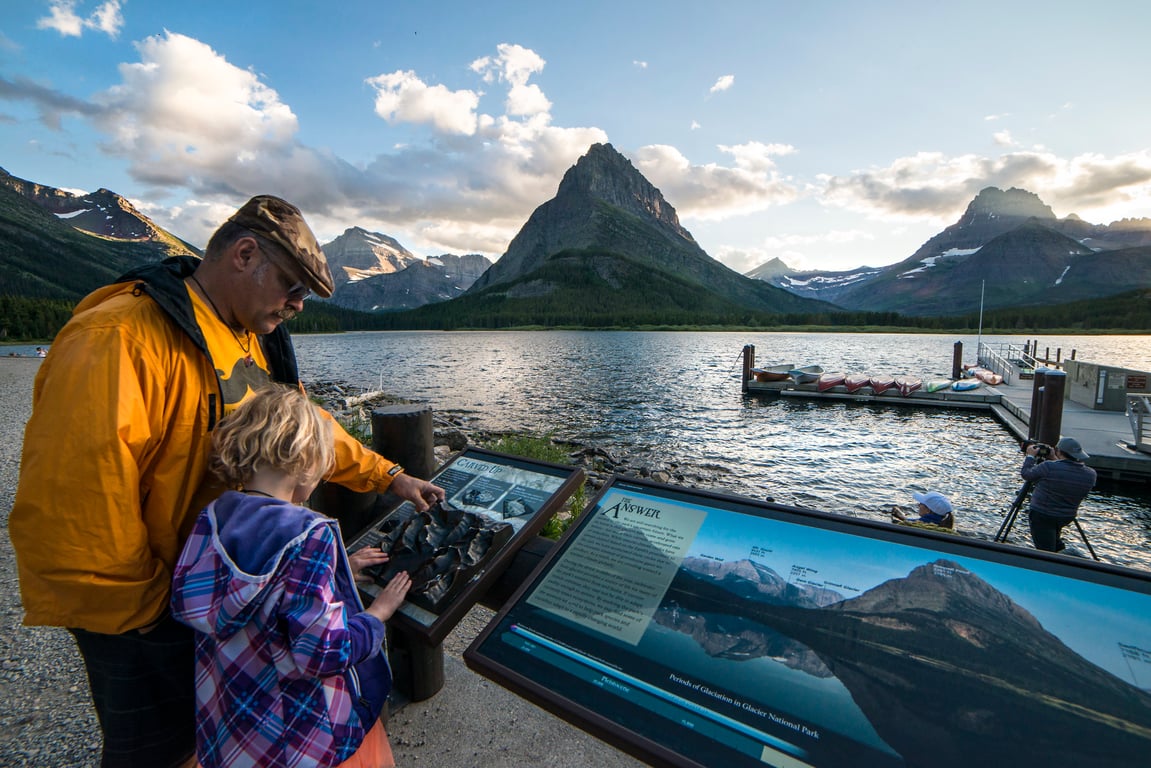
{"type": "Point", "coordinates": [957, 360]}
{"type": "Point", "coordinates": [1051, 421]}
{"type": "Point", "coordinates": [1036, 403]}
{"type": "Point", "coordinates": [403, 433]}
{"type": "Point", "coordinates": [748, 364]}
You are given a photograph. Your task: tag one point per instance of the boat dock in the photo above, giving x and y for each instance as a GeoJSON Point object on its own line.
{"type": "Point", "coordinates": [1119, 450]}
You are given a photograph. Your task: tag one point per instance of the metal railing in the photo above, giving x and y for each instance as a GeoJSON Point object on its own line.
{"type": "Point", "coordinates": [1010, 360]}
{"type": "Point", "coordinates": [1002, 359]}
{"type": "Point", "coordinates": [1139, 414]}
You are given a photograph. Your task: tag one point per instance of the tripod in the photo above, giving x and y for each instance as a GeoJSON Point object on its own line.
{"type": "Point", "coordinates": [1013, 512]}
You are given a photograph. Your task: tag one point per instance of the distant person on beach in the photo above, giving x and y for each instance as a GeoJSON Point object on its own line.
{"type": "Point", "coordinates": [41, 352]}
{"type": "Point", "coordinates": [113, 469]}
{"type": "Point", "coordinates": [934, 509]}
{"type": "Point", "coordinates": [270, 591]}
{"type": "Point", "coordinates": [1061, 484]}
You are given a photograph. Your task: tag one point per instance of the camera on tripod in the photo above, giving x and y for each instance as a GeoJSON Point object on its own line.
{"type": "Point", "coordinates": [1042, 450]}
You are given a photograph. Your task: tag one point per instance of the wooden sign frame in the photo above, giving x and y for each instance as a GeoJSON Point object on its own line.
{"type": "Point", "coordinates": [690, 628]}
{"type": "Point", "coordinates": [499, 487]}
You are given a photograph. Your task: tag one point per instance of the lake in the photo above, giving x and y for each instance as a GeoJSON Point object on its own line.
{"type": "Point", "coordinates": [667, 399]}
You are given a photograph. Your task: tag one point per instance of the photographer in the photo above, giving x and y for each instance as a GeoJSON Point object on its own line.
{"type": "Point", "coordinates": [1061, 484]}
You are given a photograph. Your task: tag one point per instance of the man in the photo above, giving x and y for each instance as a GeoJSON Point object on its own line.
{"type": "Point", "coordinates": [113, 470]}
{"type": "Point", "coordinates": [1061, 484]}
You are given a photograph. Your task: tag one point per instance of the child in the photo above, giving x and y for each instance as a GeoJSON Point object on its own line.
{"type": "Point", "coordinates": [289, 666]}
{"type": "Point", "coordinates": [934, 510]}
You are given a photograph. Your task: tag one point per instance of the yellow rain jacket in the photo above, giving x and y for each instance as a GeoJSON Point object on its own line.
{"type": "Point", "coordinates": [113, 470]}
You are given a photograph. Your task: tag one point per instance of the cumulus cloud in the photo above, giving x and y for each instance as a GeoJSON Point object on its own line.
{"type": "Point", "coordinates": [184, 116]}
{"type": "Point", "coordinates": [937, 187]}
{"type": "Point", "coordinates": [695, 126]}
{"type": "Point", "coordinates": [191, 123]}
{"type": "Point", "coordinates": [722, 84]}
{"type": "Point", "coordinates": [640, 64]}
{"type": "Point", "coordinates": [62, 18]}
{"type": "Point", "coordinates": [402, 97]}
{"type": "Point", "coordinates": [712, 191]}
{"type": "Point", "coordinates": [1003, 138]}
{"type": "Point", "coordinates": [514, 65]}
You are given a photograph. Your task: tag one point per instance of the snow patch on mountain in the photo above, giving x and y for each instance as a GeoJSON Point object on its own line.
{"type": "Point", "coordinates": [826, 281]}
{"type": "Point", "coordinates": [931, 261]}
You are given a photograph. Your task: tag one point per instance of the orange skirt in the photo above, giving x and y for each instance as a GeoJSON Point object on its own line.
{"type": "Point", "coordinates": [375, 752]}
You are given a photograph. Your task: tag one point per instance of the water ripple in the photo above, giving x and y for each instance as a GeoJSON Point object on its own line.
{"type": "Point", "coordinates": [675, 398]}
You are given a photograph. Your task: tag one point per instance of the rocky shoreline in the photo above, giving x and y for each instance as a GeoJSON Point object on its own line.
{"type": "Point", "coordinates": [455, 431]}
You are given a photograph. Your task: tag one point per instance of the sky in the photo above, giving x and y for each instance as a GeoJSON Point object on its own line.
{"type": "Point", "coordinates": [831, 134]}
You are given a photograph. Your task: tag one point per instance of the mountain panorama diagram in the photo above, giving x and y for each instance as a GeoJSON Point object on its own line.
{"type": "Point", "coordinates": [860, 646]}
{"type": "Point", "coordinates": [952, 665]}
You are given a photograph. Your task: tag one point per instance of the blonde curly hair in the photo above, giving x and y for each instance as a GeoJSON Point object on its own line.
{"type": "Point", "coordinates": [276, 428]}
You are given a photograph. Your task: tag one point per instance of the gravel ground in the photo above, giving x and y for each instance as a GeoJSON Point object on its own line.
{"type": "Point", "coordinates": [46, 715]}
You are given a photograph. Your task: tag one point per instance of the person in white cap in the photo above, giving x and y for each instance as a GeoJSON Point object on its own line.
{"type": "Point", "coordinates": [934, 509]}
{"type": "Point", "coordinates": [1060, 487]}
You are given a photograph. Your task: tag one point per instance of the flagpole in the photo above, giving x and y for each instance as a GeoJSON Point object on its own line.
{"type": "Point", "coordinates": [979, 338]}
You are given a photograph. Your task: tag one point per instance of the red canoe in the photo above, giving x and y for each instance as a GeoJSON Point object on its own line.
{"type": "Point", "coordinates": [828, 380]}
{"type": "Point", "coordinates": [856, 382]}
{"type": "Point", "coordinates": [908, 384]}
{"type": "Point", "coordinates": [881, 383]}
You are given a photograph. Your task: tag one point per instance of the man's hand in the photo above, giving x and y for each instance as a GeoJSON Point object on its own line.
{"type": "Point", "coordinates": [1032, 450]}
{"type": "Point", "coordinates": [897, 513]}
{"type": "Point", "coordinates": [420, 492]}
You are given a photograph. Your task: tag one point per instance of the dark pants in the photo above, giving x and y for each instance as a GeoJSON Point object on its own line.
{"type": "Point", "coordinates": [144, 692]}
{"type": "Point", "coordinates": [1047, 531]}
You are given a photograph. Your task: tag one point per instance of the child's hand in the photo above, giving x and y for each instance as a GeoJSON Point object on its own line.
{"type": "Point", "coordinates": [391, 596]}
{"type": "Point", "coordinates": [366, 558]}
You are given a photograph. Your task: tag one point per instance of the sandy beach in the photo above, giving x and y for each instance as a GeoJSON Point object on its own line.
{"type": "Point", "coordinates": [47, 719]}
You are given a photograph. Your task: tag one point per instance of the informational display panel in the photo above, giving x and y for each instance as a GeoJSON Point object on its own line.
{"type": "Point", "coordinates": [694, 629]}
{"type": "Point", "coordinates": [495, 503]}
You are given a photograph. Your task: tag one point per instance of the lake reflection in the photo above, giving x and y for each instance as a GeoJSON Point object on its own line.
{"type": "Point", "coordinates": [674, 399]}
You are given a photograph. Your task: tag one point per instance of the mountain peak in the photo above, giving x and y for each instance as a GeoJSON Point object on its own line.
{"type": "Point", "coordinates": [771, 269]}
{"type": "Point", "coordinates": [1015, 202]}
{"type": "Point", "coordinates": [358, 254]}
{"type": "Point", "coordinates": [605, 174]}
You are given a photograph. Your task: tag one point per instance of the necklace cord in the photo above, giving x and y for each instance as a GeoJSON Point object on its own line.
{"type": "Point", "coordinates": [246, 349]}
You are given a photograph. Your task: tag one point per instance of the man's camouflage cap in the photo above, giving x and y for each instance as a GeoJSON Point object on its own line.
{"type": "Point", "coordinates": [283, 224]}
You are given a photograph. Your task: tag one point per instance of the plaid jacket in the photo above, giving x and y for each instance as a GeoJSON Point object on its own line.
{"type": "Point", "coordinates": [289, 668]}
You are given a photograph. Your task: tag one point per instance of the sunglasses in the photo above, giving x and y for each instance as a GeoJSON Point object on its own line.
{"type": "Point", "coordinates": [296, 292]}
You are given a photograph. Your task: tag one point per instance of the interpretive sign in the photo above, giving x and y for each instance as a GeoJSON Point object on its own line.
{"type": "Point", "coordinates": [495, 502]}
{"type": "Point", "coordinates": [697, 629]}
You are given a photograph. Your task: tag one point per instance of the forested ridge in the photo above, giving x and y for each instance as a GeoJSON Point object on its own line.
{"type": "Point", "coordinates": [36, 319]}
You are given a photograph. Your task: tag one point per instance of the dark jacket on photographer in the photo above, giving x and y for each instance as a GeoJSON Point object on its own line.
{"type": "Point", "coordinates": [1060, 485]}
